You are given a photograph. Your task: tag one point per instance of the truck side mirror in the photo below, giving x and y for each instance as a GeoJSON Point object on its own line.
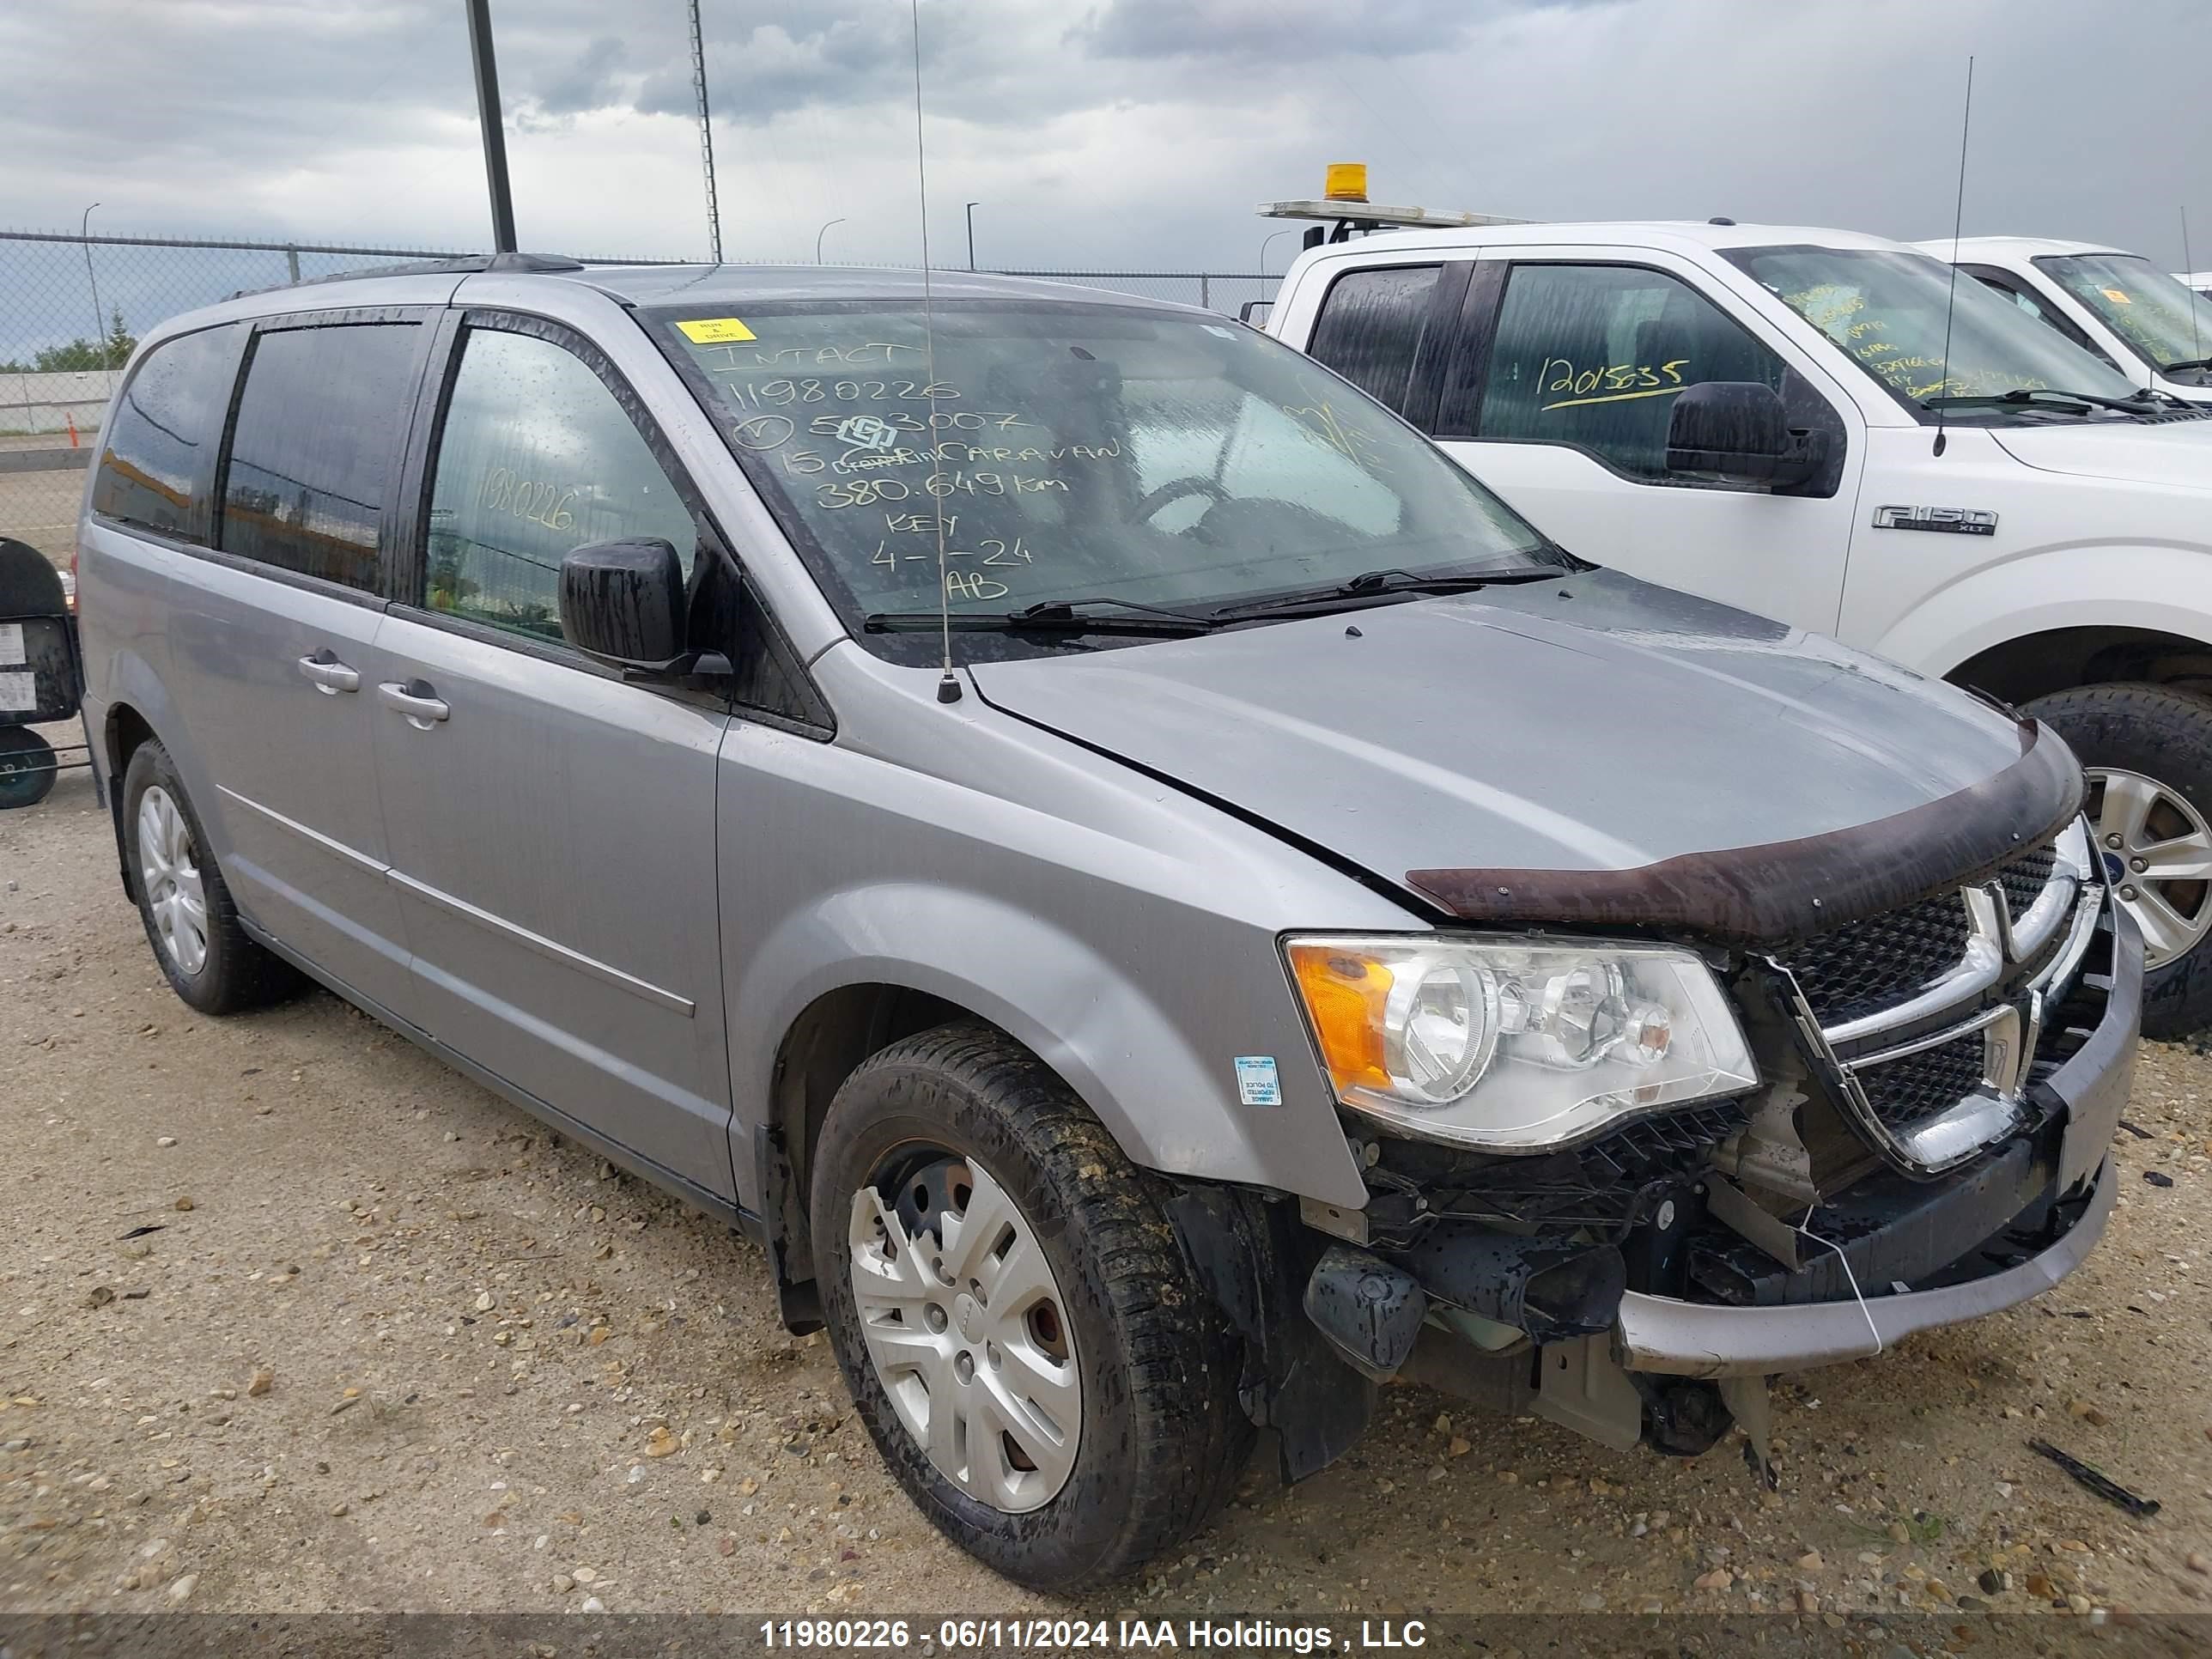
{"type": "Point", "coordinates": [1738, 430]}
{"type": "Point", "coordinates": [623, 603]}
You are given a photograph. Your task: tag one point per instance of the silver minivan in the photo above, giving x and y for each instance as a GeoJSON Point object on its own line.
{"type": "Point", "coordinates": [1160, 902]}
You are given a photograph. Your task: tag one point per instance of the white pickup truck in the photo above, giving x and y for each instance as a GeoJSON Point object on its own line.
{"type": "Point", "coordinates": [1800, 422]}
{"type": "Point", "coordinates": [2145, 322]}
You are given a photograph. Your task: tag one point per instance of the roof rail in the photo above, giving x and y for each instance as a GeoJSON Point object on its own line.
{"type": "Point", "coordinates": [466, 265]}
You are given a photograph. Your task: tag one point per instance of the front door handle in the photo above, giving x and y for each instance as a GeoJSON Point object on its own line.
{"type": "Point", "coordinates": [415, 701]}
{"type": "Point", "coordinates": [329, 675]}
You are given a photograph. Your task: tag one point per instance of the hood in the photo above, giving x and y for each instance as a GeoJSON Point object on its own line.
{"type": "Point", "coordinates": [2177, 454]}
{"type": "Point", "coordinates": [1595, 723]}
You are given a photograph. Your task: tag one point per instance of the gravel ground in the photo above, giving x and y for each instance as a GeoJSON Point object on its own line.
{"type": "Point", "coordinates": [295, 1319]}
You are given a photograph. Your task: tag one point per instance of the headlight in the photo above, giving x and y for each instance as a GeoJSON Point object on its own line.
{"type": "Point", "coordinates": [1515, 1046]}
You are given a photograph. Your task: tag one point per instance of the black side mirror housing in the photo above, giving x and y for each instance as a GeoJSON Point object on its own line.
{"type": "Point", "coordinates": [623, 603]}
{"type": "Point", "coordinates": [1738, 430]}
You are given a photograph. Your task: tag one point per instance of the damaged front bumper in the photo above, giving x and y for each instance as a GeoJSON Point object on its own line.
{"type": "Point", "coordinates": [1894, 1256]}
{"type": "Point", "coordinates": [1690, 1338]}
{"type": "Point", "coordinates": [2080, 1102]}
{"type": "Point", "coordinates": [2080, 1107]}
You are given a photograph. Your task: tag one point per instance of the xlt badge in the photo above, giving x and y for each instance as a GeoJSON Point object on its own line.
{"type": "Point", "coordinates": [1957, 520]}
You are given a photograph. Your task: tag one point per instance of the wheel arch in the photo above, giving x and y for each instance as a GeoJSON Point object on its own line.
{"type": "Point", "coordinates": [2035, 665]}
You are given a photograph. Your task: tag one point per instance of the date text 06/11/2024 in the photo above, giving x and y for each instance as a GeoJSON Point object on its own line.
{"type": "Point", "coordinates": [954, 1636]}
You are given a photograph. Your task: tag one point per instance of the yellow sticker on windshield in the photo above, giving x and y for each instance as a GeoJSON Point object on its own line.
{"type": "Point", "coordinates": [2116, 296]}
{"type": "Point", "coordinates": [715, 331]}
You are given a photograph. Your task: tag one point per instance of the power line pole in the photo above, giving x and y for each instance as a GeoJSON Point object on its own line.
{"type": "Point", "coordinates": [706, 133]}
{"type": "Point", "coordinates": [488, 117]}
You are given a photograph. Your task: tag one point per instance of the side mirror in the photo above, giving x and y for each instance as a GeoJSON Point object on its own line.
{"type": "Point", "coordinates": [1738, 430]}
{"type": "Point", "coordinates": [622, 602]}
{"type": "Point", "coordinates": [1253, 312]}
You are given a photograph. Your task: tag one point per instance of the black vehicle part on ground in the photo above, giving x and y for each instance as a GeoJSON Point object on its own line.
{"type": "Point", "coordinates": [1790, 890]}
{"type": "Point", "coordinates": [1254, 1258]}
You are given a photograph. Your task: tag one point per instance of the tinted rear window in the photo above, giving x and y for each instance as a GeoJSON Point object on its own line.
{"type": "Point", "coordinates": [315, 450]}
{"type": "Point", "coordinates": [1369, 328]}
{"type": "Point", "coordinates": [163, 430]}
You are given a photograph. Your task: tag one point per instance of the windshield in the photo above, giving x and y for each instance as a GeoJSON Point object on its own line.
{"type": "Point", "coordinates": [1886, 311]}
{"type": "Point", "coordinates": [2162, 319]}
{"type": "Point", "coordinates": [1071, 452]}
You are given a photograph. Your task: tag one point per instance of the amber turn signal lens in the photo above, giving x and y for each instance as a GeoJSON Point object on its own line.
{"type": "Point", "coordinates": [1345, 995]}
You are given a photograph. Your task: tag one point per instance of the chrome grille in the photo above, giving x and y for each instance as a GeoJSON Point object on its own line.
{"type": "Point", "coordinates": [1905, 1092]}
{"type": "Point", "coordinates": [1870, 964]}
{"type": "Point", "coordinates": [1924, 1021]}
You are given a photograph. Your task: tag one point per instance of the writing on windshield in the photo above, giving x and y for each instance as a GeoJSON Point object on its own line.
{"type": "Point", "coordinates": [1019, 454]}
{"type": "Point", "coordinates": [1897, 317]}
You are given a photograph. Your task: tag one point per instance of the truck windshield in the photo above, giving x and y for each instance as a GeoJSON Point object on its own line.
{"type": "Point", "coordinates": [1886, 312]}
{"type": "Point", "coordinates": [2162, 319]}
{"type": "Point", "coordinates": [1074, 451]}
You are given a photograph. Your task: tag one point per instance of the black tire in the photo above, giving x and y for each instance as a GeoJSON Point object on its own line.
{"type": "Point", "coordinates": [238, 974]}
{"type": "Point", "coordinates": [2165, 735]}
{"type": "Point", "coordinates": [1163, 1437]}
{"type": "Point", "coordinates": [26, 767]}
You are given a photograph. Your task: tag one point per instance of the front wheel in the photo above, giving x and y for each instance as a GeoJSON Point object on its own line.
{"type": "Point", "coordinates": [2148, 752]}
{"type": "Point", "coordinates": [1012, 1316]}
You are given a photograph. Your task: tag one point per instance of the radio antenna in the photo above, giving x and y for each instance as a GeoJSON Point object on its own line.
{"type": "Point", "coordinates": [1958, 224]}
{"type": "Point", "coordinates": [948, 687]}
{"type": "Point", "coordinates": [2188, 267]}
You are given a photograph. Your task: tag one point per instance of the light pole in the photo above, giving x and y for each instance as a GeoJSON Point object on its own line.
{"type": "Point", "coordinates": [972, 206]}
{"type": "Point", "coordinates": [818, 235]}
{"type": "Point", "coordinates": [1268, 243]}
{"type": "Point", "coordinates": [494, 135]}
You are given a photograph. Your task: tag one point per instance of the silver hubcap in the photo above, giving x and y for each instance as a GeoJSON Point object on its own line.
{"type": "Point", "coordinates": [967, 1333]}
{"type": "Point", "coordinates": [170, 874]}
{"type": "Point", "coordinates": [2158, 850]}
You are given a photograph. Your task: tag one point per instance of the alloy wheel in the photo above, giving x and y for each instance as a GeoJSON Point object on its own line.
{"type": "Point", "coordinates": [168, 870]}
{"type": "Point", "coordinates": [2157, 850]}
{"type": "Point", "coordinates": [966, 1328]}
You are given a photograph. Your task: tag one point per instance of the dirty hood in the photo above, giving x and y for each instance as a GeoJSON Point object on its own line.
{"type": "Point", "coordinates": [2179, 453]}
{"type": "Point", "coordinates": [1590, 723]}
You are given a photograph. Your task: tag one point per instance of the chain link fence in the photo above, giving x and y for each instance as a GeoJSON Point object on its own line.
{"type": "Point", "coordinates": [71, 307]}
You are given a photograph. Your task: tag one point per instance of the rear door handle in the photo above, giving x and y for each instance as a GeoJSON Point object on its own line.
{"type": "Point", "coordinates": [415, 701]}
{"type": "Point", "coordinates": [329, 675]}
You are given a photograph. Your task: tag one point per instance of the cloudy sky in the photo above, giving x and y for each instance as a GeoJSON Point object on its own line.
{"type": "Point", "coordinates": [1121, 133]}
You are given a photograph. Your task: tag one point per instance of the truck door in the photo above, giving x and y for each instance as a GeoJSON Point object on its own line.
{"type": "Point", "coordinates": [1556, 393]}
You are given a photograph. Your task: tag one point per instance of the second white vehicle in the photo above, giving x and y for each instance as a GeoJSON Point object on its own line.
{"type": "Point", "coordinates": [2150, 325]}
{"type": "Point", "coordinates": [1798, 422]}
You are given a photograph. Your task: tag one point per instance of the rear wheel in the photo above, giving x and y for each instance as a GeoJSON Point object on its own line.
{"type": "Point", "coordinates": [26, 767]}
{"type": "Point", "coordinates": [183, 899]}
{"type": "Point", "coordinates": [2148, 751]}
{"type": "Point", "coordinates": [1012, 1316]}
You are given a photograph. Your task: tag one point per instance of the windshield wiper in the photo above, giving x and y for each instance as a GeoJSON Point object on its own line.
{"type": "Point", "coordinates": [2188, 363]}
{"type": "Point", "coordinates": [2022, 397]}
{"type": "Point", "coordinates": [1051, 616]}
{"type": "Point", "coordinates": [1381, 584]}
